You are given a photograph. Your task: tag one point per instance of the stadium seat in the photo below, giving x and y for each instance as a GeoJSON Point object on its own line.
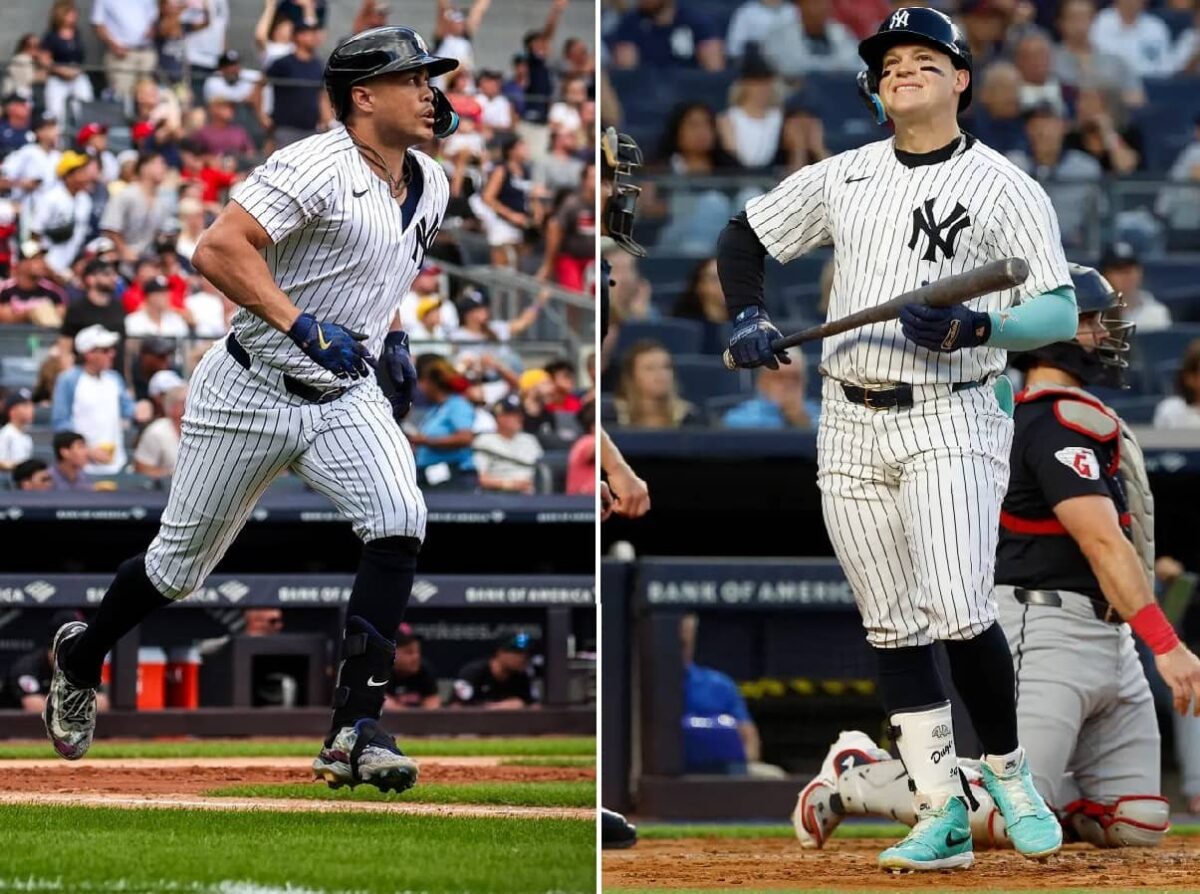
{"type": "Point", "coordinates": [1135, 410]}
{"type": "Point", "coordinates": [1167, 345]}
{"type": "Point", "coordinates": [18, 372]}
{"type": "Point", "coordinates": [677, 336]}
{"type": "Point", "coordinates": [703, 376]}
{"type": "Point", "coordinates": [717, 407]}
{"type": "Point", "coordinates": [667, 268]}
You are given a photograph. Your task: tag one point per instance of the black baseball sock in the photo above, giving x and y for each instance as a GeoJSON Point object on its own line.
{"type": "Point", "coordinates": [384, 582]}
{"type": "Point", "coordinates": [982, 669]}
{"type": "Point", "coordinates": [130, 598]}
{"type": "Point", "coordinates": [909, 678]}
{"type": "Point", "coordinates": [377, 601]}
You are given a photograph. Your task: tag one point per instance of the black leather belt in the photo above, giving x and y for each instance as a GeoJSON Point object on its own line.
{"type": "Point", "coordinates": [1053, 598]}
{"type": "Point", "coordinates": [291, 384]}
{"type": "Point", "coordinates": [898, 396]}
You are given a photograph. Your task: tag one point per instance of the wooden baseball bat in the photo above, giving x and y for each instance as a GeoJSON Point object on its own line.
{"type": "Point", "coordinates": [991, 277]}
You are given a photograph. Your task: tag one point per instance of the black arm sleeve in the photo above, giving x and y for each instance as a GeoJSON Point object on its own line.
{"type": "Point", "coordinates": [740, 257]}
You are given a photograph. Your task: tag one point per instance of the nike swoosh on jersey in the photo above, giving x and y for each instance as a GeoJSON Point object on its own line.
{"type": "Point", "coordinates": [371, 682]}
{"type": "Point", "coordinates": [856, 179]}
{"type": "Point", "coordinates": [359, 195]}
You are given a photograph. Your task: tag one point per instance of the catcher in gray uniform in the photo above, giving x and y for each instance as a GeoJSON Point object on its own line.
{"type": "Point", "coordinates": [1073, 582]}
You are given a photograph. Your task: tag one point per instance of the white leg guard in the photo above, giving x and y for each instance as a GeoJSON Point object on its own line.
{"type": "Point", "coordinates": [818, 811]}
{"type": "Point", "coordinates": [880, 789]}
{"type": "Point", "coordinates": [925, 740]}
{"type": "Point", "coordinates": [1130, 821]}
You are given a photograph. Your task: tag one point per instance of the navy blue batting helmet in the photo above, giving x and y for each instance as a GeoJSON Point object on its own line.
{"type": "Point", "coordinates": [917, 24]}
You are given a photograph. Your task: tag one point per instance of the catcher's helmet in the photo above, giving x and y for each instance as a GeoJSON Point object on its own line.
{"type": "Point", "coordinates": [1103, 365]}
{"type": "Point", "coordinates": [380, 51]}
{"type": "Point", "coordinates": [915, 24]}
{"type": "Point", "coordinates": [620, 157]}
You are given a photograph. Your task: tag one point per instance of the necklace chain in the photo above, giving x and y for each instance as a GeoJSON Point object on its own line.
{"type": "Point", "coordinates": [396, 185]}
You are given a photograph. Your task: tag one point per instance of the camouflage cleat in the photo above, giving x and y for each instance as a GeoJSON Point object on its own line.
{"type": "Point", "coordinates": [941, 839]}
{"type": "Point", "coordinates": [70, 710]}
{"type": "Point", "coordinates": [364, 753]}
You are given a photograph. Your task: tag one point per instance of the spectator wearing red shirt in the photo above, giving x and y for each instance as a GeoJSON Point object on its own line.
{"type": "Point", "coordinates": [571, 236]}
{"type": "Point", "coordinates": [581, 461]}
{"type": "Point", "coordinates": [562, 377]}
{"type": "Point", "coordinates": [150, 267]}
{"type": "Point", "coordinates": [197, 167]}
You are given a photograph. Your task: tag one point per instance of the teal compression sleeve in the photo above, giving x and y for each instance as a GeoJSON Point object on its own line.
{"type": "Point", "coordinates": [1045, 319]}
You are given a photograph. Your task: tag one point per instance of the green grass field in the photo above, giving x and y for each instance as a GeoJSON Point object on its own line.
{"type": "Point", "coordinates": [509, 794]}
{"type": "Point", "coordinates": [554, 746]}
{"type": "Point", "coordinates": [259, 852]}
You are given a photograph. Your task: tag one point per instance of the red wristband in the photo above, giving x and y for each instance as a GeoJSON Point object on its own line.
{"type": "Point", "coordinates": [1153, 628]}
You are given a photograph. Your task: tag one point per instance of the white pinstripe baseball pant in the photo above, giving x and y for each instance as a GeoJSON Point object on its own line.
{"type": "Point", "coordinates": [241, 430]}
{"type": "Point", "coordinates": [911, 500]}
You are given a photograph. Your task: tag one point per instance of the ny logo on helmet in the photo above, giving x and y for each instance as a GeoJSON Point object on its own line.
{"type": "Point", "coordinates": [899, 20]}
{"type": "Point", "coordinates": [925, 222]}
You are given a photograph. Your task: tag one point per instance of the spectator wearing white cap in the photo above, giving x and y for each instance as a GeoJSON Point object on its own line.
{"type": "Point", "coordinates": [15, 445]}
{"type": "Point", "coordinates": [507, 458]}
{"type": "Point", "coordinates": [62, 215]}
{"type": "Point", "coordinates": [91, 399]}
{"type": "Point", "coordinates": [158, 448]}
{"type": "Point", "coordinates": [31, 296]}
{"type": "Point", "coordinates": [155, 316]}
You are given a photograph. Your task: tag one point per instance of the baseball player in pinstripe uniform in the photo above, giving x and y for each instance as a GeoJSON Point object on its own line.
{"type": "Point", "coordinates": [317, 247]}
{"type": "Point", "coordinates": [913, 444]}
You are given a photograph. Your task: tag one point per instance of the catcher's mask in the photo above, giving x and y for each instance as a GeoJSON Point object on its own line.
{"type": "Point", "coordinates": [620, 156]}
{"type": "Point", "coordinates": [1103, 364]}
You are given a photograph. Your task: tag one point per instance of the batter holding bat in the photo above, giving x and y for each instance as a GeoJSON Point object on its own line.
{"type": "Point", "coordinates": [913, 444]}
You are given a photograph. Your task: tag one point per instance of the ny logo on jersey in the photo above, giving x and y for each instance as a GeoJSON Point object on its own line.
{"type": "Point", "coordinates": [899, 20]}
{"type": "Point", "coordinates": [425, 236]}
{"type": "Point", "coordinates": [924, 222]}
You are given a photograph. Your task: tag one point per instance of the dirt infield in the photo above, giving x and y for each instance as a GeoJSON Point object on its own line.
{"type": "Point", "coordinates": [745, 864]}
{"type": "Point", "coordinates": [180, 782]}
{"type": "Point", "coordinates": [191, 776]}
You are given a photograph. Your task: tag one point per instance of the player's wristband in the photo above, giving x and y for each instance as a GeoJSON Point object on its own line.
{"type": "Point", "coordinates": [1153, 628]}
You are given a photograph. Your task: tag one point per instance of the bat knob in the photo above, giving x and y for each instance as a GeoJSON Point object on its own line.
{"type": "Point", "coordinates": [727, 358]}
{"type": "Point", "coordinates": [1018, 269]}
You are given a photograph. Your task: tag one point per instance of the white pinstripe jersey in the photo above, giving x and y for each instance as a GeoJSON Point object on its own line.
{"type": "Point", "coordinates": [893, 228]}
{"type": "Point", "coordinates": [339, 249]}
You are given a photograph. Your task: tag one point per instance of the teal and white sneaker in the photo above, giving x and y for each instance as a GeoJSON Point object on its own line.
{"type": "Point", "coordinates": [1032, 826]}
{"type": "Point", "coordinates": [941, 839]}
